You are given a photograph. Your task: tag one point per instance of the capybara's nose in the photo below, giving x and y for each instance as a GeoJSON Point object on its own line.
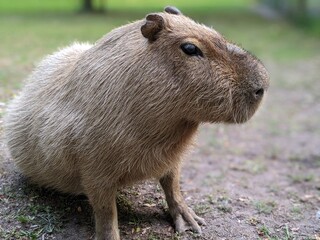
{"type": "Point", "coordinates": [258, 93]}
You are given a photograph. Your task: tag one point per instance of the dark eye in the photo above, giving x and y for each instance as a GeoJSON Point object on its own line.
{"type": "Point", "coordinates": [191, 49]}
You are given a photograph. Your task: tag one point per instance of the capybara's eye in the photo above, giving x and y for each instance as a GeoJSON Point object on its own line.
{"type": "Point", "coordinates": [191, 49]}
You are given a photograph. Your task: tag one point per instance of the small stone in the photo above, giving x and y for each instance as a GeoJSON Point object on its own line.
{"type": "Point", "coordinates": [318, 215]}
{"type": "Point", "coordinates": [149, 205]}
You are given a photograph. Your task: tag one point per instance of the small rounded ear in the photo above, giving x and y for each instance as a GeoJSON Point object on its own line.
{"type": "Point", "coordinates": [153, 25]}
{"type": "Point", "coordinates": [172, 10]}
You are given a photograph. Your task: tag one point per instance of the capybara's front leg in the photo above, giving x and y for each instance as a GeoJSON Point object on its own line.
{"type": "Point", "coordinates": [105, 214]}
{"type": "Point", "coordinates": [184, 218]}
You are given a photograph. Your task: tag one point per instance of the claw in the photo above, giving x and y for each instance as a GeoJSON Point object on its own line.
{"type": "Point", "coordinates": [197, 229]}
{"type": "Point", "coordinates": [180, 224]}
{"type": "Point", "coordinates": [200, 220]}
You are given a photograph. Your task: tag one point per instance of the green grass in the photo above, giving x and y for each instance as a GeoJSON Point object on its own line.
{"type": "Point", "coordinates": [253, 166]}
{"type": "Point", "coordinates": [296, 211]}
{"type": "Point", "coordinates": [17, 6]}
{"type": "Point", "coordinates": [31, 6]}
{"type": "Point", "coordinates": [31, 220]}
{"type": "Point", "coordinates": [222, 203]}
{"type": "Point", "coordinates": [202, 208]}
{"type": "Point", "coordinates": [300, 178]}
{"type": "Point", "coordinates": [284, 234]}
{"type": "Point", "coordinates": [265, 207]}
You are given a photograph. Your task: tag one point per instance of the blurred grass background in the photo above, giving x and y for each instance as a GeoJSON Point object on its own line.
{"type": "Point", "coordinates": [30, 29]}
{"type": "Point", "coordinates": [111, 5]}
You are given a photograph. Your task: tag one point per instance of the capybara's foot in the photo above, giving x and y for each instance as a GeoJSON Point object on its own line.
{"type": "Point", "coordinates": [108, 236]}
{"type": "Point", "coordinates": [185, 219]}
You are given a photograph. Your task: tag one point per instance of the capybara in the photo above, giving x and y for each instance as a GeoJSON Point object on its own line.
{"type": "Point", "coordinates": [94, 118]}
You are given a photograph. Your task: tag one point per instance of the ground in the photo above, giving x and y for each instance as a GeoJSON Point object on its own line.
{"type": "Point", "coordinates": [259, 180]}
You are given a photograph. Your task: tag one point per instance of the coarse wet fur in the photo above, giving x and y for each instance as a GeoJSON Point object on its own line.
{"type": "Point", "coordinates": [94, 118]}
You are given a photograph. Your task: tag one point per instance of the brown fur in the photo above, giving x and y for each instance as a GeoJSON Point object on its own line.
{"type": "Point", "coordinates": [94, 118]}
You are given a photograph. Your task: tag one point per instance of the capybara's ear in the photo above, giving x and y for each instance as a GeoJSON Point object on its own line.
{"type": "Point", "coordinates": [172, 10]}
{"type": "Point", "coordinates": [153, 25]}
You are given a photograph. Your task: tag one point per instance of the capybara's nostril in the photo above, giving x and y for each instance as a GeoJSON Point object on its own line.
{"type": "Point", "coordinates": [259, 93]}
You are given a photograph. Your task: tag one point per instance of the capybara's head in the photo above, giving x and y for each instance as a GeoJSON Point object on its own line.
{"type": "Point", "coordinates": [217, 80]}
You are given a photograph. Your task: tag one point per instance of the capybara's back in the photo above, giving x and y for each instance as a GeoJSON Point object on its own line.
{"type": "Point", "coordinates": [38, 141]}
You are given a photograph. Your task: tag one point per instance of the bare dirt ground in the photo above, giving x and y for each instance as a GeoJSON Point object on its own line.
{"type": "Point", "coordinates": [255, 181]}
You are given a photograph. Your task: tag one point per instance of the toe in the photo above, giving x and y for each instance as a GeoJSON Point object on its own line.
{"type": "Point", "coordinates": [200, 220]}
{"type": "Point", "coordinates": [180, 225]}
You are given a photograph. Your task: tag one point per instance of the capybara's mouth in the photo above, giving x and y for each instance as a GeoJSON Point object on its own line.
{"type": "Point", "coordinates": [246, 113]}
